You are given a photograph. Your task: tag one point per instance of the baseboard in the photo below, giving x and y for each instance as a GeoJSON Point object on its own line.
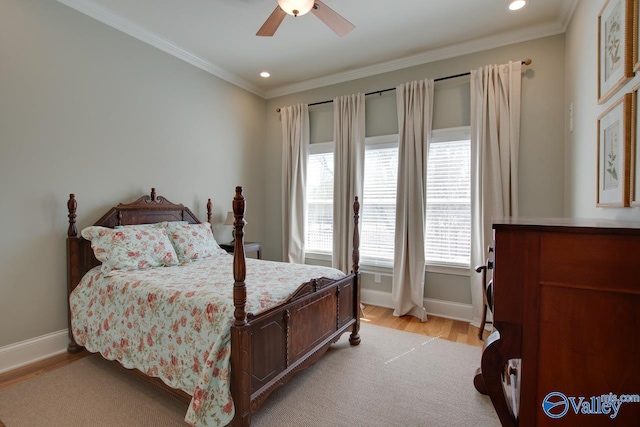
{"type": "Point", "coordinates": [440, 308]}
{"type": "Point", "coordinates": [32, 350]}
{"type": "Point", "coordinates": [25, 352]}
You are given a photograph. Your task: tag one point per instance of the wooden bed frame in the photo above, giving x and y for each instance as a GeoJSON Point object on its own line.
{"type": "Point", "coordinates": [266, 349]}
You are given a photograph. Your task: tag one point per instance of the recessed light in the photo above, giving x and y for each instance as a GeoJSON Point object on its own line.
{"type": "Point", "coordinates": [517, 4]}
{"type": "Point", "coordinates": [265, 74]}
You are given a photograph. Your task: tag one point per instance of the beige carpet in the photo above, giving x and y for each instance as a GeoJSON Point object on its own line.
{"type": "Point", "coordinates": [392, 378]}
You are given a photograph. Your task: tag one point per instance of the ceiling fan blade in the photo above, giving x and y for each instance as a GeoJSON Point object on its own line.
{"type": "Point", "coordinates": [333, 20]}
{"type": "Point", "coordinates": [272, 23]}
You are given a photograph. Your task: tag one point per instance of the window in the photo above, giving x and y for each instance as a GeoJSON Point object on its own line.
{"type": "Point", "coordinates": [448, 227]}
{"type": "Point", "coordinates": [378, 218]}
{"type": "Point", "coordinates": [319, 237]}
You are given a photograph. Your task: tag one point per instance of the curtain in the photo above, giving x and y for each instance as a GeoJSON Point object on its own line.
{"type": "Point", "coordinates": [415, 107]}
{"type": "Point", "coordinates": [295, 154]}
{"type": "Point", "coordinates": [495, 140]}
{"type": "Point", "coordinates": [348, 136]}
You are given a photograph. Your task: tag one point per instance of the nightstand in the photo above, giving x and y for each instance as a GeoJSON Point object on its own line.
{"type": "Point", "coordinates": [248, 247]}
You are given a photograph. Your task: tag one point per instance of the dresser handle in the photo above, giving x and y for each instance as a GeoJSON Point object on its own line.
{"type": "Point", "coordinates": [490, 260]}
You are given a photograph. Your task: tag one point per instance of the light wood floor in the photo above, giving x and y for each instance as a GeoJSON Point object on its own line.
{"type": "Point", "coordinates": [452, 330]}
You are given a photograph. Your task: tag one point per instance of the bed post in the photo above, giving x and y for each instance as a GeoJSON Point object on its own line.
{"type": "Point", "coordinates": [239, 262]}
{"type": "Point", "coordinates": [73, 256]}
{"type": "Point", "coordinates": [240, 339]}
{"type": "Point", "coordinates": [209, 206]}
{"type": "Point", "coordinates": [355, 255]}
{"type": "Point", "coordinates": [72, 205]}
{"type": "Point", "coordinates": [354, 338]}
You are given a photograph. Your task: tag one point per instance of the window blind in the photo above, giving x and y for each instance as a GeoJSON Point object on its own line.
{"type": "Point", "coordinates": [448, 226]}
{"type": "Point", "coordinates": [448, 223]}
{"type": "Point", "coordinates": [379, 205]}
{"type": "Point", "coordinates": [320, 203]}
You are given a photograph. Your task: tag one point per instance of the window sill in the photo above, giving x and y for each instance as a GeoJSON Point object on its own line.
{"type": "Point", "coordinates": [448, 269]}
{"type": "Point", "coordinates": [388, 270]}
{"type": "Point", "coordinates": [369, 267]}
{"type": "Point", "coordinates": [318, 256]}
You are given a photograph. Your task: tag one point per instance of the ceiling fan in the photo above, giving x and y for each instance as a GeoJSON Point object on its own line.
{"type": "Point", "coordinates": [299, 7]}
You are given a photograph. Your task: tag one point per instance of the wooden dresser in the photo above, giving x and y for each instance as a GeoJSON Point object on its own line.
{"type": "Point", "coordinates": [567, 318]}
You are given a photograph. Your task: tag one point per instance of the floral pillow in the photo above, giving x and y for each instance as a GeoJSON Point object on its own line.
{"type": "Point", "coordinates": [193, 242]}
{"type": "Point", "coordinates": [131, 248]}
{"type": "Point", "coordinates": [117, 227]}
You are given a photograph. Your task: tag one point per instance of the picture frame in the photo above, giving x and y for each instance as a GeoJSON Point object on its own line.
{"type": "Point", "coordinates": [634, 151]}
{"type": "Point", "coordinates": [636, 36]}
{"type": "Point", "coordinates": [615, 47]}
{"type": "Point", "coordinates": [614, 143]}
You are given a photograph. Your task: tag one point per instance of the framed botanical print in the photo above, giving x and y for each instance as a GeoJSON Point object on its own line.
{"type": "Point", "coordinates": [615, 47]}
{"type": "Point", "coordinates": [636, 35]}
{"type": "Point", "coordinates": [614, 141]}
{"type": "Point", "coordinates": [634, 152]}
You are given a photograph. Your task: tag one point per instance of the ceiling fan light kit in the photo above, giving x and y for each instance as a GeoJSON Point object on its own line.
{"type": "Point", "coordinates": [296, 7]}
{"type": "Point", "coordinates": [517, 4]}
{"type": "Point", "coordinates": [299, 7]}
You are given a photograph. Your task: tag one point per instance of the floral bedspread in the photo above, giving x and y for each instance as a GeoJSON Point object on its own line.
{"type": "Point", "coordinates": [174, 322]}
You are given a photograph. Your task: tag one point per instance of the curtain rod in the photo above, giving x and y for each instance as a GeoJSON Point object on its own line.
{"type": "Point", "coordinates": [526, 61]}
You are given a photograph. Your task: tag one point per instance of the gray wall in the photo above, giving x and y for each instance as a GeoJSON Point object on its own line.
{"type": "Point", "coordinates": [581, 91]}
{"type": "Point", "coordinates": [541, 151]}
{"type": "Point", "coordinates": [88, 110]}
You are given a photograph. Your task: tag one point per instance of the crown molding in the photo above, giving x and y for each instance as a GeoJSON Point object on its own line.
{"type": "Point", "coordinates": [567, 13]}
{"type": "Point", "coordinates": [113, 20]}
{"type": "Point", "coordinates": [90, 8]}
{"type": "Point", "coordinates": [451, 51]}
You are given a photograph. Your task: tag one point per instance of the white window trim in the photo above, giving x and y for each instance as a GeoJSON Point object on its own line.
{"type": "Point", "coordinates": [321, 147]}
{"type": "Point", "coordinates": [390, 140]}
{"type": "Point", "coordinates": [381, 141]}
{"type": "Point", "coordinates": [451, 134]}
{"type": "Point", "coordinates": [388, 271]}
{"type": "Point", "coordinates": [319, 256]}
{"type": "Point", "coordinates": [448, 269]}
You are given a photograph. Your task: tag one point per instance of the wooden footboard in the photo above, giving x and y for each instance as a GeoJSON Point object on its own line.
{"type": "Point", "coordinates": [266, 349]}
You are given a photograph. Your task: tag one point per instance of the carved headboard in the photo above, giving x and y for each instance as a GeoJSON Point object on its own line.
{"type": "Point", "coordinates": [146, 210]}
